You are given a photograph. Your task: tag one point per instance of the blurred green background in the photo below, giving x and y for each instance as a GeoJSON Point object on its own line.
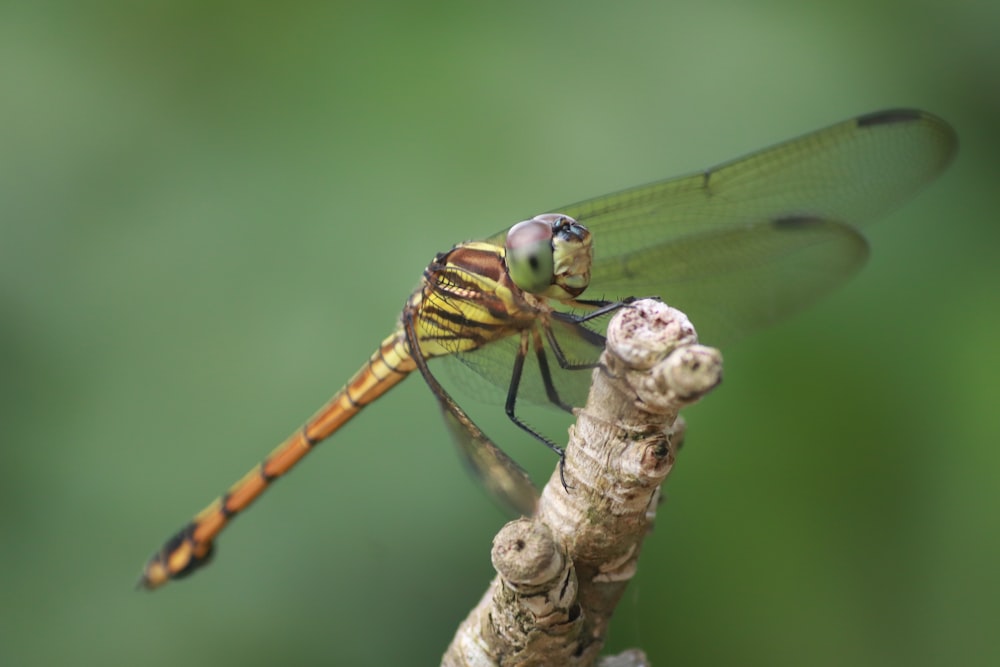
{"type": "Point", "coordinates": [214, 210]}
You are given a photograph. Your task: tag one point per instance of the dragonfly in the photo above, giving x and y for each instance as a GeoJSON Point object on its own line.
{"type": "Point", "coordinates": [737, 247]}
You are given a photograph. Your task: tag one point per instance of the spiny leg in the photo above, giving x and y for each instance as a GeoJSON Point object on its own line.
{"type": "Point", "coordinates": [601, 308]}
{"type": "Point", "coordinates": [515, 383]}
{"type": "Point", "coordinates": [597, 340]}
{"type": "Point", "coordinates": [545, 371]}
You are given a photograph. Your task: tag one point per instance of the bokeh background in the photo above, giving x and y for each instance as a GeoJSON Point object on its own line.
{"type": "Point", "coordinates": [212, 211]}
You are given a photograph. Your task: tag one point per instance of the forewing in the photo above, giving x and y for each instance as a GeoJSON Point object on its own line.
{"type": "Point", "coordinates": [746, 243]}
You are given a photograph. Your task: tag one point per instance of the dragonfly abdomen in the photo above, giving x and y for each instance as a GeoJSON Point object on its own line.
{"type": "Point", "coordinates": [192, 546]}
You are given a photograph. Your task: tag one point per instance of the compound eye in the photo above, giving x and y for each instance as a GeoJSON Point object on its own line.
{"type": "Point", "coordinates": [529, 255]}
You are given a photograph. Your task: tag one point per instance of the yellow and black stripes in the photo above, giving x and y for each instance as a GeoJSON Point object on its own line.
{"type": "Point", "coordinates": [467, 300]}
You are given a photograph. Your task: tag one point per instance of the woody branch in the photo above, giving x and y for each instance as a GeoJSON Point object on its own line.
{"type": "Point", "coordinates": [561, 573]}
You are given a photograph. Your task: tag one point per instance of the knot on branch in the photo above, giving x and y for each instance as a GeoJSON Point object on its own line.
{"type": "Point", "coordinates": [532, 564]}
{"type": "Point", "coordinates": [562, 572]}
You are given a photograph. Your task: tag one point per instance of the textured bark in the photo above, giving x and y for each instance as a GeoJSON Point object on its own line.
{"type": "Point", "coordinates": [561, 573]}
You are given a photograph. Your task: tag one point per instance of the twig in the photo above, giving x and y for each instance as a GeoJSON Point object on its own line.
{"type": "Point", "coordinates": [562, 572]}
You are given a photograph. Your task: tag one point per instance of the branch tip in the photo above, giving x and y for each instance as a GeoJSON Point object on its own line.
{"type": "Point", "coordinates": [562, 572]}
{"type": "Point", "coordinates": [524, 554]}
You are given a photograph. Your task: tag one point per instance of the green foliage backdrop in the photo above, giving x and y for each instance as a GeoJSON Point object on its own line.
{"type": "Point", "coordinates": [212, 211]}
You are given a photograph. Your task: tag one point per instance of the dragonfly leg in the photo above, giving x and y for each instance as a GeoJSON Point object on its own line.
{"type": "Point", "coordinates": [546, 373]}
{"type": "Point", "coordinates": [551, 392]}
{"type": "Point", "coordinates": [515, 382]}
{"type": "Point", "coordinates": [594, 338]}
{"type": "Point", "coordinates": [602, 308]}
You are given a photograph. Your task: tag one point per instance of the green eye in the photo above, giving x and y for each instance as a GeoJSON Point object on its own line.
{"type": "Point", "coordinates": [529, 255]}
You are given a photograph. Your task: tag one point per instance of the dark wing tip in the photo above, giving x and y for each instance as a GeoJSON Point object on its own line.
{"type": "Point", "coordinates": [890, 116]}
{"type": "Point", "coordinates": [934, 130]}
{"type": "Point", "coordinates": [793, 222]}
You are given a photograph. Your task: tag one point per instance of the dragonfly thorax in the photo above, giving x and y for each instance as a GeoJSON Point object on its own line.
{"type": "Point", "coordinates": [549, 255]}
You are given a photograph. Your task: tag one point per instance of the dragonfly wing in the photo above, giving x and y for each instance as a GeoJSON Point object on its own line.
{"type": "Point", "coordinates": [851, 172]}
{"type": "Point", "coordinates": [748, 218]}
{"type": "Point", "coordinates": [733, 281]}
{"type": "Point", "coordinates": [502, 477]}
{"type": "Point", "coordinates": [493, 364]}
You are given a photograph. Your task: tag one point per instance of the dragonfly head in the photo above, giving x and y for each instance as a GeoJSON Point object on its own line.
{"type": "Point", "coordinates": [549, 256]}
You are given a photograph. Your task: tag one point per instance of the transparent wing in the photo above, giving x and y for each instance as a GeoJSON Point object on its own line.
{"type": "Point", "coordinates": [502, 477]}
{"type": "Point", "coordinates": [733, 281]}
{"type": "Point", "coordinates": [493, 364]}
{"type": "Point", "coordinates": [744, 244]}
{"type": "Point", "coordinates": [737, 247]}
